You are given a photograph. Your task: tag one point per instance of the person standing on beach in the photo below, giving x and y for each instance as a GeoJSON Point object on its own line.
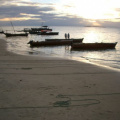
{"type": "Point", "coordinates": [65, 36]}
{"type": "Point", "coordinates": [68, 36]}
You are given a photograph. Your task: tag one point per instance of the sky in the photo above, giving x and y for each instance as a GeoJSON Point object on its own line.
{"type": "Point", "coordinates": [104, 13]}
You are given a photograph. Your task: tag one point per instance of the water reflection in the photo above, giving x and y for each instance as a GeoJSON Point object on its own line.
{"type": "Point", "coordinates": [92, 37]}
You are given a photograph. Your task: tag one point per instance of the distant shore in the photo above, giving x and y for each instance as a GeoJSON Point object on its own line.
{"type": "Point", "coordinates": [51, 88]}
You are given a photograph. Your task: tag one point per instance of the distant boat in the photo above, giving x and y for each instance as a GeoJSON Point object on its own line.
{"type": "Point", "coordinates": [38, 30]}
{"type": "Point", "coordinates": [54, 42]}
{"type": "Point", "coordinates": [15, 34]}
{"type": "Point", "coordinates": [1, 31]}
{"type": "Point", "coordinates": [47, 33]}
{"type": "Point", "coordinates": [93, 46]}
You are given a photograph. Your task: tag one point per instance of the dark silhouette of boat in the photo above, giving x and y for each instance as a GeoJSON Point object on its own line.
{"type": "Point", "coordinates": [54, 42]}
{"type": "Point", "coordinates": [48, 33]}
{"type": "Point", "coordinates": [15, 34]}
{"type": "Point", "coordinates": [92, 46]}
{"type": "Point", "coordinates": [1, 32]}
{"type": "Point", "coordinates": [38, 30]}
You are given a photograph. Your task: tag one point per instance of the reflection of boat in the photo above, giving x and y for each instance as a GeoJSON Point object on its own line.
{"type": "Point", "coordinates": [48, 33]}
{"type": "Point", "coordinates": [38, 30]}
{"type": "Point", "coordinates": [93, 46]}
{"type": "Point", "coordinates": [15, 34]}
{"type": "Point", "coordinates": [54, 42]}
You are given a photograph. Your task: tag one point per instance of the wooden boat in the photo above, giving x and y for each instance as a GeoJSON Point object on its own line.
{"type": "Point", "coordinates": [1, 32]}
{"type": "Point", "coordinates": [48, 33]}
{"type": "Point", "coordinates": [15, 34]}
{"type": "Point", "coordinates": [72, 40]}
{"type": "Point", "coordinates": [54, 42]}
{"type": "Point", "coordinates": [93, 46]}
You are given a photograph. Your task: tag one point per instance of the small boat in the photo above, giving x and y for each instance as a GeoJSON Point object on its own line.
{"type": "Point", "coordinates": [33, 32]}
{"type": "Point", "coordinates": [76, 40]}
{"type": "Point", "coordinates": [1, 32]}
{"type": "Point", "coordinates": [48, 33]}
{"type": "Point", "coordinates": [54, 42]}
{"type": "Point", "coordinates": [26, 30]}
{"type": "Point", "coordinates": [93, 46]}
{"type": "Point", "coordinates": [38, 30]}
{"type": "Point", "coordinates": [15, 34]}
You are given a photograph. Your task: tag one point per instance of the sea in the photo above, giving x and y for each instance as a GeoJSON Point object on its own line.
{"type": "Point", "coordinates": [107, 58]}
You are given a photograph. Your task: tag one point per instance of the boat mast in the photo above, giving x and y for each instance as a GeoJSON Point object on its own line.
{"type": "Point", "coordinates": [12, 26]}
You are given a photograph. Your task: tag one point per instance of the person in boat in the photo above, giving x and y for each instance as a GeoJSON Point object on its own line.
{"type": "Point", "coordinates": [68, 36]}
{"type": "Point", "coordinates": [65, 36]}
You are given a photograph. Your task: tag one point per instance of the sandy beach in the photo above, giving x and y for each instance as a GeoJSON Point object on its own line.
{"type": "Point", "coordinates": [47, 88]}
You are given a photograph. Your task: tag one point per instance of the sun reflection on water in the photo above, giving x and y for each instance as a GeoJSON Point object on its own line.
{"type": "Point", "coordinates": [92, 37]}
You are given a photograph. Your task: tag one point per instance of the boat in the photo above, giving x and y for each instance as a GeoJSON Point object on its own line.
{"type": "Point", "coordinates": [47, 33]}
{"type": "Point", "coordinates": [15, 34]}
{"type": "Point", "coordinates": [1, 32]}
{"type": "Point", "coordinates": [54, 42]}
{"type": "Point", "coordinates": [26, 30]}
{"type": "Point", "coordinates": [93, 46]}
{"type": "Point", "coordinates": [69, 40]}
{"type": "Point", "coordinates": [38, 30]}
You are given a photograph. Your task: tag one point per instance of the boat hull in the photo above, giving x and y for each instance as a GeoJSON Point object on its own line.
{"type": "Point", "coordinates": [93, 46]}
{"type": "Point", "coordinates": [38, 30]}
{"type": "Point", "coordinates": [48, 33]}
{"type": "Point", "coordinates": [56, 42]}
{"type": "Point", "coordinates": [12, 35]}
{"type": "Point", "coordinates": [1, 32]}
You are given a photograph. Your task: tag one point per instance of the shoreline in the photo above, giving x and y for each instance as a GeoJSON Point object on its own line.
{"type": "Point", "coordinates": [43, 54]}
{"type": "Point", "coordinates": [39, 88]}
{"type": "Point", "coordinates": [97, 64]}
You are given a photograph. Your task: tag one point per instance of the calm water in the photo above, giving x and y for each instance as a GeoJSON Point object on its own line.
{"type": "Point", "coordinates": [109, 58]}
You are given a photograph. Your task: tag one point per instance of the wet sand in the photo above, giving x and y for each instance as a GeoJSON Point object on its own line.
{"type": "Point", "coordinates": [47, 88]}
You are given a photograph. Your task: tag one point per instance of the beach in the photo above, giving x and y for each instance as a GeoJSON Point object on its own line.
{"type": "Point", "coordinates": [52, 88]}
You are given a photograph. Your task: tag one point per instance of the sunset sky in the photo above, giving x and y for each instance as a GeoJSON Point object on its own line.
{"type": "Point", "coordinates": [60, 12]}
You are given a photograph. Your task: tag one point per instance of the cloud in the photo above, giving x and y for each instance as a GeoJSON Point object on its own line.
{"type": "Point", "coordinates": [29, 11]}
{"type": "Point", "coordinates": [26, 12]}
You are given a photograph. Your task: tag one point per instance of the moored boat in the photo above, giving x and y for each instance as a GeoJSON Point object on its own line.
{"type": "Point", "coordinates": [15, 34]}
{"type": "Point", "coordinates": [38, 30]}
{"type": "Point", "coordinates": [41, 28]}
{"type": "Point", "coordinates": [72, 39]}
{"type": "Point", "coordinates": [1, 32]}
{"type": "Point", "coordinates": [54, 42]}
{"type": "Point", "coordinates": [93, 46]}
{"type": "Point", "coordinates": [48, 33]}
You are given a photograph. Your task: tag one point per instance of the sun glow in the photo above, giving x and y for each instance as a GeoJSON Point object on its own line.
{"type": "Point", "coordinates": [18, 19]}
{"type": "Point", "coordinates": [92, 9]}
